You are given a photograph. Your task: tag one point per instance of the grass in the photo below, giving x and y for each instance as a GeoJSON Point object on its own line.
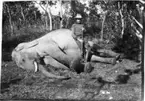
{"type": "Point", "coordinates": [21, 84]}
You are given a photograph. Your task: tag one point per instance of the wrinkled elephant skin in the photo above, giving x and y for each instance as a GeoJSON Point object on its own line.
{"type": "Point", "coordinates": [57, 48]}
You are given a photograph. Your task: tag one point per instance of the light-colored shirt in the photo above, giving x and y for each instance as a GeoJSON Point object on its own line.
{"type": "Point", "coordinates": [78, 29]}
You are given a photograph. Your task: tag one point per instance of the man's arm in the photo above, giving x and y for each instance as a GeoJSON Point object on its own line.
{"type": "Point", "coordinates": [73, 31]}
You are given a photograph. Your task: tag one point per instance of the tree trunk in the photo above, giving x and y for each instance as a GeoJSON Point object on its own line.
{"type": "Point", "coordinates": [143, 16]}
{"type": "Point", "coordinates": [10, 21]}
{"type": "Point", "coordinates": [46, 21]}
{"type": "Point", "coordinates": [104, 18]}
{"type": "Point", "coordinates": [22, 13]}
{"type": "Point", "coordinates": [23, 16]}
{"type": "Point", "coordinates": [122, 20]}
{"type": "Point", "coordinates": [50, 19]}
{"type": "Point", "coordinates": [48, 14]}
{"type": "Point", "coordinates": [67, 22]}
{"type": "Point", "coordinates": [61, 13]}
{"type": "Point", "coordinates": [35, 15]}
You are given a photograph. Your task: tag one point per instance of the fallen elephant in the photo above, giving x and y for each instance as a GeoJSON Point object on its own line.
{"type": "Point", "coordinates": [57, 48]}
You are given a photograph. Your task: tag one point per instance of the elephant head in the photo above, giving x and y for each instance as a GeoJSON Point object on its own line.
{"type": "Point", "coordinates": [25, 60]}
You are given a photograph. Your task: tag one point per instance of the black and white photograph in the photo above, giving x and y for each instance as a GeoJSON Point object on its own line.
{"type": "Point", "coordinates": [72, 50]}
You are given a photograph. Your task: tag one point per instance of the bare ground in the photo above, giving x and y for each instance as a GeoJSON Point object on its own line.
{"type": "Point", "coordinates": [19, 84]}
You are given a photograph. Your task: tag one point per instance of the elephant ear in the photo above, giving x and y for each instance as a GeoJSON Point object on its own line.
{"type": "Point", "coordinates": [26, 45]}
{"type": "Point", "coordinates": [20, 47]}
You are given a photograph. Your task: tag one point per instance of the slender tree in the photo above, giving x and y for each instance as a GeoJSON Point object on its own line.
{"type": "Point", "coordinates": [46, 7]}
{"type": "Point", "coordinates": [122, 19]}
{"type": "Point", "coordinates": [103, 22]}
{"type": "Point", "coordinates": [10, 19]}
{"type": "Point", "coordinates": [60, 3]}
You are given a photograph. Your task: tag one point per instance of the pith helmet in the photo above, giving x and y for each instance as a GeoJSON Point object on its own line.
{"type": "Point", "coordinates": [78, 16]}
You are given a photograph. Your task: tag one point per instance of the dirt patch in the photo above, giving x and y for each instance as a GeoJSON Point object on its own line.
{"type": "Point", "coordinates": [20, 84]}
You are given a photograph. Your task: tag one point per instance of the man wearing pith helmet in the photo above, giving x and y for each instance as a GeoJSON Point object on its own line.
{"type": "Point", "coordinates": [77, 32]}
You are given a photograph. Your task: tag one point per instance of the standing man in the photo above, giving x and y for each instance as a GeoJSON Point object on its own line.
{"type": "Point", "coordinates": [80, 63]}
{"type": "Point", "coordinates": [77, 33]}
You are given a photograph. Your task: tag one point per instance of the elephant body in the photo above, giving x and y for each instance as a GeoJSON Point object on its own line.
{"type": "Point", "coordinates": [57, 48]}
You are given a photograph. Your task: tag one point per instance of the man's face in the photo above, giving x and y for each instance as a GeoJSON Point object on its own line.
{"type": "Point", "coordinates": [78, 21]}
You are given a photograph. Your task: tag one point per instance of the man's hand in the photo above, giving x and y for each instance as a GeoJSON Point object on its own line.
{"type": "Point", "coordinates": [83, 29]}
{"type": "Point", "coordinates": [88, 67]}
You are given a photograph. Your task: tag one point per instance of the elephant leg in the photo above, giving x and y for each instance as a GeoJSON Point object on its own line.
{"type": "Point", "coordinates": [48, 74]}
{"type": "Point", "coordinates": [49, 60]}
{"type": "Point", "coordinates": [108, 52]}
{"type": "Point", "coordinates": [101, 59]}
{"type": "Point", "coordinates": [54, 51]}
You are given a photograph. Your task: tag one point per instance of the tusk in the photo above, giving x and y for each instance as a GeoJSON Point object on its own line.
{"type": "Point", "coordinates": [36, 66]}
